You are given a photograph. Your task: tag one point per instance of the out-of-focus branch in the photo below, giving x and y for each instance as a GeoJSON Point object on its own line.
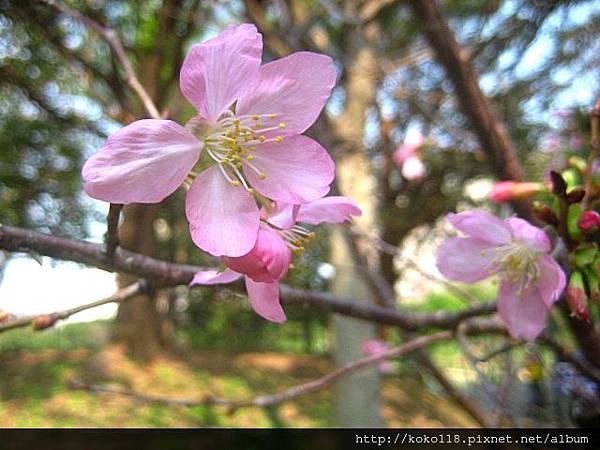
{"type": "Point", "coordinates": [485, 382]}
{"type": "Point", "coordinates": [582, 365]}
{"type": "Point", "coordinates": [386, 247]}
{"type": "Point", "coordinates": [162, 273]}
{"type": "Point", "coordinates": [593, 154]}
{"type": "Point", "coordinates": [287, 394]}
{"type": "Point", "coordinates": [113, 40]}
{"type": "Point", "coordinates": [384, 291]}
{"type": "Point", "coordinates": [490, 130]}
{"type": "Point", "coordinates": [43, 321]}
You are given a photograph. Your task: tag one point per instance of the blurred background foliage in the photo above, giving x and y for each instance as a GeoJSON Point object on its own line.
{"type": "Point", "coordinates": [62, 92]}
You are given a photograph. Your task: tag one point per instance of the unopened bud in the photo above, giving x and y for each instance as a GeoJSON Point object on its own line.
{"type": "Point", "coordinates": [559, 185]}
{"type": "Point", "coordinates": [545, 214]}
{"type": "Point", "coordinates": [575, 196]}
{"type": "Point", "coordinates": [505, 191]}
{"type": "Point", "coordinates": [44, 321]}
{"type": "Point", "coordinates": [592, 279]}
{"type": "Point", "coordinates": [576, 296]}
{"type": "Point", "coordinates": [589, 221]}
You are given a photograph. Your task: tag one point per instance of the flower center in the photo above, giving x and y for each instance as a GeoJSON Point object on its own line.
{"type": "Point", "coordinates": [233, 140]}
{"type": "Point", "coordinates": [517, 263]}
{"type": "Point", "coordinates": [296, 238]}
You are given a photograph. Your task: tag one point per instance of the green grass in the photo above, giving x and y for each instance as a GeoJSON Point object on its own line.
{"type": "Point", "coordinates": [92, 335]}
{"type": "Point", "coordinates": [36, 366]}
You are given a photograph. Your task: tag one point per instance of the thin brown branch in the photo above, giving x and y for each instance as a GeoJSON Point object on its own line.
{"type": "Point", "coordinates": [43, 321]}
{"type": "Point", "coordinates": [378, 285]}
{"type": "Point", "coordinates": [491, 131]}
{"type": "Point", "coordinates": [499, 351]}
{"type": "Point", "coordinates": [593, 154]}
{"type": "Point", "coordinates": [487, 385]}
{"type": "Point", "coordinates": [463, 400]}
{"type": "Point", "coordinates": [162, 273]}
{"type": "Point", "coordinates": [386, 247]}
{"type": "Point", "coordinates": [111, 240]}
{"type": "Point", "coordinates": [582, 365]}
{"type": "Point", "coordinates": [383, 290]}
{"type": "Point", "coordinates": [280, 397]}
{"type": "Point", "coordinates": [112, 39]}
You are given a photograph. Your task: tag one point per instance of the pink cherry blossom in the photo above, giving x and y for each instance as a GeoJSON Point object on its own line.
{"type": "Point", "coordinates": [518, 253]}
{"type": "Point", "coordinates": [376, 347]}
{"type": "Point", "coordinates": [407, 158]}
{"type": "Point", "coordinates": [268, 262]}
{"type": "Point", "coordinates": [249, 128]}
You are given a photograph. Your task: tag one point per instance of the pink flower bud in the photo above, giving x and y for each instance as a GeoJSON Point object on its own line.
{"type": "Point", "coordinates": [268, 261]}
{"type": "Point", "coordinates": [376, 347]}
{"type": "Point", "coordinates": [589, 221]}
{"type": "Point", "coordinates": [577, 298]}
{"type": "Point", "coordinates": [505, 191]}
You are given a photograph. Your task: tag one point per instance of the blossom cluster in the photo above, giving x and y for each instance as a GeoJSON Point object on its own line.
{"type": "Point", "coordinates": [250, 173]}
{"type": "Point", "coordinates": [523, 256]}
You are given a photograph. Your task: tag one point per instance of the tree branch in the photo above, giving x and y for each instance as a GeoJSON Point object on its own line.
{"type": "Point", "coordinates": [111, 240]}
{"type": "Point", "coordinates": [274, 399]}
{"type": "Point", "coordinates": [112, 39]}
{"type": "Point", "coordinates": [490, 130]}
{"type": "Point", "coordinates": [43, 321]}
{"type": "Point", "coordinates": [162, 273]}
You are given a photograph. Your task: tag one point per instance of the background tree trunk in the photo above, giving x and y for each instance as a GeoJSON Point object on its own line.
{"type": "Point", "coordinates": [355, 407]}
{"type": "Point", "coordinates": [138, 322]}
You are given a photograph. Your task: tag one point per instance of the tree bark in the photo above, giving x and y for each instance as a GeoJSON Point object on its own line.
{"type": "Point", "coordinates": [138, 322]}
{"type": "Point", "coordinates": [355, 407]}
{"type": "Point", "coordinates": [490, 130]}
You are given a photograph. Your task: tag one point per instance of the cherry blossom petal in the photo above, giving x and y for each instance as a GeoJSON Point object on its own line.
{"type": "Point", "coordinates": [223, 219]}
{"type": "Point", "coordinates": [298, 170]}
{"type": "Point", "coordinates": [213, 276]}
{"type": "Point", "coordinates": [284, 215]}
{"type": "Point", "coordinates": [552, 280]}
{"type": "Point", "coordinates": [264, 299]}
{"type": "Point", "coordinates": [143, 162]}
{"type": "Point", "coordinates": [409, 147]}
{"type": "Point", "coordinates": [523, 311]}
{"type": "Point", "coordinates": [481, 225]}
{"type": "Point", "coordinates": [334, 209]}
{"type": "Point", "coordinates": [533, 237]}
{"type": "Point", "coordinates": [413, 168]}
{"type": "Point", "coordinates": [268, 261]}
{"type": "Point", "coordinates": [295, 88]}
{"type": "Point", "coordinates": [465, 259]}
{"type": "Point", "coordinates": [216, 71]}
{"type": "Point", "coordinates": [376, 347]}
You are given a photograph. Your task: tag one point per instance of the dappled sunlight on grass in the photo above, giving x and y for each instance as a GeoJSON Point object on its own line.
{"type": "Point", "coordinates": [34, 392]}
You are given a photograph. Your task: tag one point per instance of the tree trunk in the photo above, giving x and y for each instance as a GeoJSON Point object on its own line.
{"type": "Point", "coordinates": [138, 322]}
{"type": "Point", "coordinates": [357, 395]}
